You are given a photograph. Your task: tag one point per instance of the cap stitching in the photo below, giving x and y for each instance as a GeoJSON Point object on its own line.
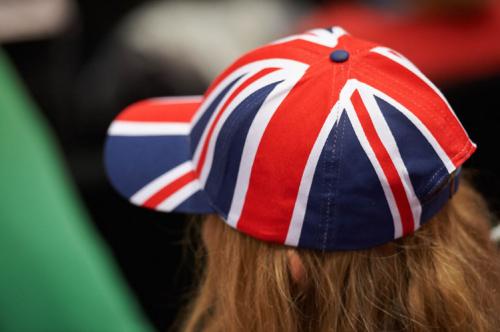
{"type": "Point", "coordinates": [325, 163]}
{"type": "Point", "coordinates": [465, 149]}
{"type": "Point", "coordinates": [428, 186]}
{"type": "Point", "coordinates": [336, 230]}
{"type": "Point", "coordinates": [347, 69]}
{"type": "Point", "coordinates": [327, 212]}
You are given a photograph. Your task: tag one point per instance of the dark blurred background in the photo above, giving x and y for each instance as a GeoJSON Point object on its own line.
{"type": "Point", "coordinates": [99, 56]}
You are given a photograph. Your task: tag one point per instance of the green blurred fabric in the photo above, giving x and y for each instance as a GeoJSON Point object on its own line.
{"type": "Point", "coordinates": [55, 273]}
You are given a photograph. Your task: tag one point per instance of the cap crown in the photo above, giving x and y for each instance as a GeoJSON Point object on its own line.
{"type": "Point", "coordinates": [293, 147]}
{"type": "Point", "coordinates": [325, 141]}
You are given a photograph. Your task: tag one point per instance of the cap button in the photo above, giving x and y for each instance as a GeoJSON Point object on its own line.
{"type": "Point", "coordinates": [339, 56]}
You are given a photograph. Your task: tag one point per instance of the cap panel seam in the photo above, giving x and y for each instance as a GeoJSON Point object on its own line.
{"type": "Point", "coordinates": [328, 169]}
{"type": "Point", "coordinates": [326, 162]}
{"type": "Point", "coordinates": [340, 74]}
{"type": "Point", "coordinates": [337, 225]}
{"type": "Point", "coordinates": [429, 187]}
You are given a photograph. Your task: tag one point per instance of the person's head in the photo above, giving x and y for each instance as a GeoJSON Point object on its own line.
{"type": "Point", "coordinates": [325, 165]}
{"type": "Point", "coordinates": [444, 277]}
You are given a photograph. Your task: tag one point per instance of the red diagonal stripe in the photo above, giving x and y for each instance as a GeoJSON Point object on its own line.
{"type": "Point", "coordinates": [203, 153]}
{"type": "Point", "coordinates": [169, 190]}
{"type": "Point", "coordinates": [283, 152]}
{"type": "Point", "coordinates": [385, 161]}
{"type": "Point", "coordinates": [298, 50]}
{"type": "Point", "coordinates": [419, 98]}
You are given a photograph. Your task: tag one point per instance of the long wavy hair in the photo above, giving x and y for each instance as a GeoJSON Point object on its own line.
{"type": "Point", "coordinates": [444, 277]}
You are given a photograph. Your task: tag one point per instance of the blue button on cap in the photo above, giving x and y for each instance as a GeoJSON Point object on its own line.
{"type": "Point", "coordinates": [339, 56]}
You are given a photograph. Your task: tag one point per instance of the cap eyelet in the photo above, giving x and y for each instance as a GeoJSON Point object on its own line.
{"type": "Point", "coordinates": [339, 56]}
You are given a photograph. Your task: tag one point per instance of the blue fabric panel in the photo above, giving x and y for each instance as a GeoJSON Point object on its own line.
{"type": "Point", "coordinates": [424, 166]}
{"type": "Point", "coordinates": [347, 209]}
{"type": "Point", "coordinates": [134, 161]}
{"type": "Point", "coordinates": [197, 203]}
{"type": "Point", "coordinates": [229, 148]}
{"type": "Point", "coordinates": [321, 200]}
{"type": "Point", "coordinates": [439, 200]}
{"type": "Point", "coordinates": [198, 129]}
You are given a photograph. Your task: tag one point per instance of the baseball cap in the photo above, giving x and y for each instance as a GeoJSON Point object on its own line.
{"type": "Point", "coordinates": [319, 140]}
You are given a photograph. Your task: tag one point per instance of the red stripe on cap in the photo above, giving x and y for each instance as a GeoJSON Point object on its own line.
{"type": "Point", "coordinates": [283, 152]}
{"type": "Point", "coordinates": [419, 98]}
{"type": "Point", "coordinates": [169, 190]}
{"type": "Point", "coordinates": [385, 161]}
{"type": "Point", "coordinates": [161, 110]}
{"type": "Point", "coordinates": [203, 153]}
{"type": "Point", "coordinates": [297, 50]}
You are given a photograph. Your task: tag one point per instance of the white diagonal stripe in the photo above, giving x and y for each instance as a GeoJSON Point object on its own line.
{"type": "Point", "coordinates": [403, 61]}
{"type": "Point", "coordinates": [389, 142]}
{"type": "Point", "coordinates": [248, 70]}
{"type": "Point", "coordinates": [420, 126]}
{"type": "Point", "coordinates": [365, 144]}
{"type": "Point", "coordinates": [160, 182]}
{"type": "Point", "coordinates": [317, 36]}
{"type": "Point", "coordinates": [179, 196]}
{"type": "Point", "coordinates": [274, 77]}
{"type": "Point", "coordinates": [252, 141]}
{"type": "Point", "coordinates": [300, 207]}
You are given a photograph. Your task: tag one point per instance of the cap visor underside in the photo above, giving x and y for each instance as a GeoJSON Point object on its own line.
{"type": "Point", "coordinates": [148, 155]}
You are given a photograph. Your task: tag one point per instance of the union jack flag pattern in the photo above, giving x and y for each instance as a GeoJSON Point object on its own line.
{"type": "Point", "coordinates": [290, 146]}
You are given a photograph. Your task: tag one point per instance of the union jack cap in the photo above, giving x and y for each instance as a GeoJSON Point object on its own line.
{"type": "Point", "coordinates": [319, 140]}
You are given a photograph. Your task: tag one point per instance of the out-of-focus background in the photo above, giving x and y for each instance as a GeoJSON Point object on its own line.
{"type": "Point", "coordinates": [81, 62]}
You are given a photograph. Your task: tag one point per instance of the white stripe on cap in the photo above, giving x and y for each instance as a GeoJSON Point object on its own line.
{"type": "Point", "coordinates": [317, 36]}
{"type": "Point", "coordinates": [299, 210]}
{"type": "Point", "coordinates": [389, 142]}
{"type": "Point", "coordinates": [254, 136]}
{"type": "Point", "coordinates": [365, 144]}
{"type": "Point", "coordinates": [160, 182]}
{"type": "Point", "coordinates": [144, 128]}
{"type": "Point", "coordinates": [417, 123]}
{"type": "Point", "coordinates": [403, 61]}
{"type": "Point", "coordinates": [291, 70]}
{"type": "Point", "coordinates": [179, 196]}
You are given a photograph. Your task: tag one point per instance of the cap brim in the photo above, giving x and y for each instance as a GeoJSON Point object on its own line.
{"type": "Point", "coordinates": [148, 155]}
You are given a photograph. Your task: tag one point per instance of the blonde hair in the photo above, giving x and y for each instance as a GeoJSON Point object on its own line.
{"type": "Point", "coordinates": [444, 277]}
